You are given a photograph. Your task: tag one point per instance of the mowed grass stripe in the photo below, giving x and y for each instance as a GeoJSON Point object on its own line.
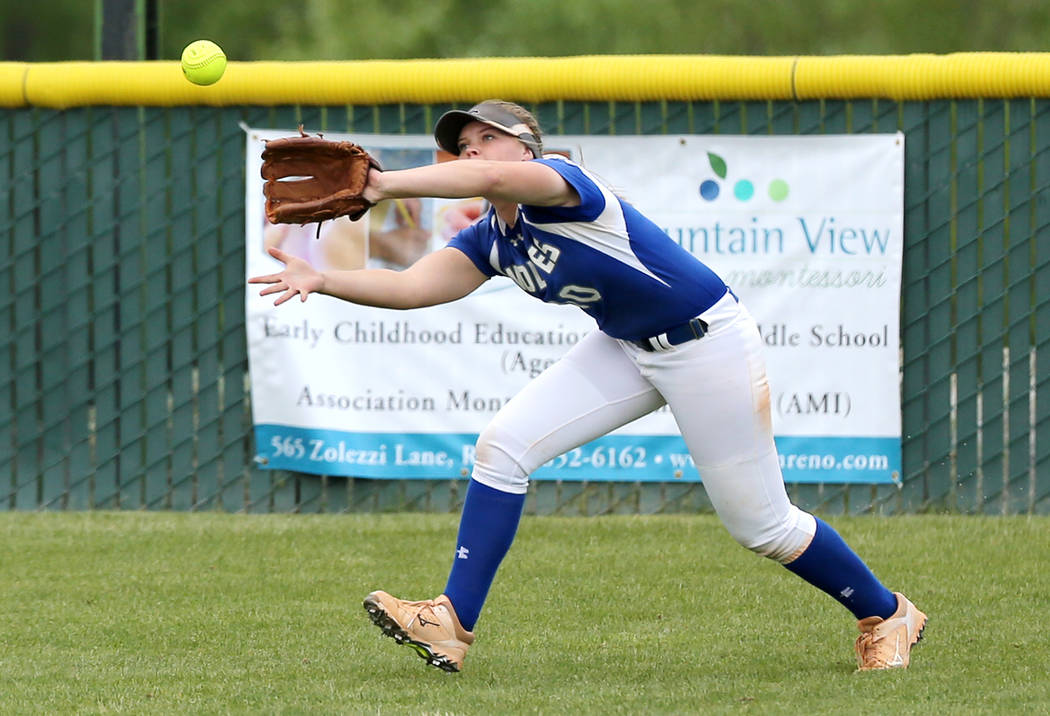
{"type": "Point", "coordinates": [176, 612]}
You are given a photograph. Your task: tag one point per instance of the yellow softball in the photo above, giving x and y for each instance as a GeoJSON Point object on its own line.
{"type": "Point", "coordinates": [203, 62]}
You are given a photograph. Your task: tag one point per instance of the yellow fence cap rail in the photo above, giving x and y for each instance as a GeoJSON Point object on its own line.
{"type": "Point", "coordinates": [12, 75]}
{"type": "Point", "coordinates": [586, 78]}
{"type": "Point", "coordinates": [601, 78]}
{"type": "Point", "coordinates": [924, 77]}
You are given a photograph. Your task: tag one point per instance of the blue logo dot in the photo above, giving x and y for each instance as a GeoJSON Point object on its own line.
{"type": "Point", "coordinates": [709, 190]}
{"type": "Point", "coordinates": [744, 190]}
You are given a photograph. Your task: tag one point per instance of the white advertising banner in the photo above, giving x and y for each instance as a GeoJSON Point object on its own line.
{"type": "Point", "coordinates": [807, 230]}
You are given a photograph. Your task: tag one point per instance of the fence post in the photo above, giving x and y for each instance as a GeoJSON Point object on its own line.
{"type": "Point", "coordinates": [126, 30]}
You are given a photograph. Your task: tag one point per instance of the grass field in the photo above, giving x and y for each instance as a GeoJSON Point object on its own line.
{"type": "Point", "coordinates": [212, 613]}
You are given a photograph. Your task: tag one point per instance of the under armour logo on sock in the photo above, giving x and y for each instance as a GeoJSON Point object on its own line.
{"type": "Point", "coordinates": [462, 553]}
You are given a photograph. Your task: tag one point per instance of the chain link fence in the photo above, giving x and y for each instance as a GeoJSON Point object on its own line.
{"type": "Point", "coordinates": [123, 366]}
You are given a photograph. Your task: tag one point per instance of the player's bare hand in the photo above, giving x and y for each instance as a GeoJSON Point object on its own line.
{"type": "Point", "coordinates": [373, 190]}
{"type": "Point", "coordinates": [298, 277]}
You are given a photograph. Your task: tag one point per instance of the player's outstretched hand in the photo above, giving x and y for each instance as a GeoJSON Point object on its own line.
{"type": "Point", "coordinates": [298, 277]}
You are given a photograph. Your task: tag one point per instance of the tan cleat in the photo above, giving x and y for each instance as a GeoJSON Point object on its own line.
{"type": "Point", "coordinates": [431, 627]}
{"type": "Point", "coordinates": [886, 643]}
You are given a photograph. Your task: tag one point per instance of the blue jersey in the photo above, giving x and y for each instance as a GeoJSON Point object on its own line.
{"type": "Point", "coordinates": [603, 256]}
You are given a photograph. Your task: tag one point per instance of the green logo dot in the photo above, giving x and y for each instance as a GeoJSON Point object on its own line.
{"type": "Point", "coordinates": [778, 190]}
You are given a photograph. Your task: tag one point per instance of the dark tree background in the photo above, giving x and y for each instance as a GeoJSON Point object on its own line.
{"type": "Point", "coordinates": [56, 30]}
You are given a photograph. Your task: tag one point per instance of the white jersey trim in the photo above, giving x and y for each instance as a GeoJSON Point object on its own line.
{"type": "Point", "coordinates": [494, 249]}
{"type": "Point", "coordinates": [607, 234]}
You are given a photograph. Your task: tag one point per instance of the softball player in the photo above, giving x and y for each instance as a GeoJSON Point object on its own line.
{"type": "Point", "coordinates": [670, 332]}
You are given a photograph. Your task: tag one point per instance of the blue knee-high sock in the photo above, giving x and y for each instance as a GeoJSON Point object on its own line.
{"type": "Point", "coordinates": [829, 564]}
{"type": "Point", "coordinates": [486, 531]}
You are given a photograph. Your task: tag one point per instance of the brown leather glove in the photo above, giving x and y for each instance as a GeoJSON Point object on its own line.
{"type": "Point", "coordinates": [310, 178]}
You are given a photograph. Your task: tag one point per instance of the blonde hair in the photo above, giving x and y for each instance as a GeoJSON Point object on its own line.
{"type": "Point", "coordinates": [525, 116]}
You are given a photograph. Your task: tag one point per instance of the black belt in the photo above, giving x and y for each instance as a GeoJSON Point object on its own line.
{"type": "Point", "coordinates": [695, 328]}
{"type": "Point", "coordinates": [690, 331]}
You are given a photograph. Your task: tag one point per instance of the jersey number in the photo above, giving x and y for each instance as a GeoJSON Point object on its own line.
{"type": "Point", "coordinates": [579, 295]}
{"type": "Point", "coordinates": [543, 257]}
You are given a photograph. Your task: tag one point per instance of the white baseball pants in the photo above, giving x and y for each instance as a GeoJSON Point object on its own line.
{"type": "Point", "coordinates": [717, 390]}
